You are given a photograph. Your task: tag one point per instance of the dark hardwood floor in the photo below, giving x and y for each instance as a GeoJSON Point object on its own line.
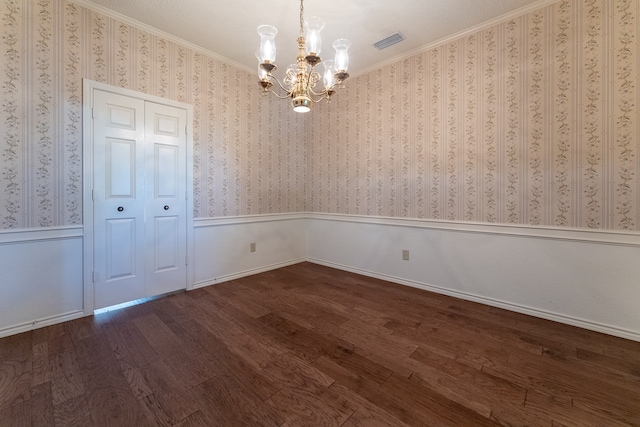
{"type": "Point", "coordinates": [307, 345]}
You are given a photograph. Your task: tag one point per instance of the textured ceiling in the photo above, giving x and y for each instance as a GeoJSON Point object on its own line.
{"type": "Point", "coordinates": [228, 27]}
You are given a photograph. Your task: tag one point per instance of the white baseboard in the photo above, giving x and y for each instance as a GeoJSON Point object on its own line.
{"type": "Point", "coordinates": [584, 278]}
{"type": "Point", "coordinates": [573, 321]}
{"type": "Point", "coordinates": [40, 323]}
{"type": "Point", "coordinates": [250, 272]}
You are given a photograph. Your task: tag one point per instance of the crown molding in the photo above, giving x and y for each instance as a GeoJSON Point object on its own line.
{"type": "Point", "coordinates": [472, 30]}
{"type": "Point", "coordinates": [156, 32]}
{"type": "Point", "coordinates": [477, 28]}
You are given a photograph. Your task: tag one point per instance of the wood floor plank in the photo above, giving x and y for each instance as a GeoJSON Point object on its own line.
{"type": "Point", "coordinates": [84, 327]}
{"type": "Point", "coordinates": [15, 380]}
{"type": "Point", "coordinates": [502, 335]}
{"type": "Point", "coordinates": [306, 343]}
{"type": "Point", "coordinates": [562, 410]}
{"type": "Point", "coordinates": [459, 342]}
{"type": "Point", "coordinates": [66, 381]}
{"type": "Point", "coordinates": [41, 371]}
{"type": "Point", "coordinates": [18, 415]}
{"type": "Point", "coordinates": [417, 405]}
{"type": "Point", "coordinates": [305, 396]}
{"type": "Point", "coordinates": [517, 415]}
{"type": "Point", "coordinates": [353, 370]}
{"type": "Point", "coordinates": [198, 419]}
{"type": "Point", "coordinates": [130, 346]}
{"type": "Point", "coordinates": [611, 364]}
{"type": "Point", "coordinates": [243, 302]}
{"type": "Point", "coordinates": [568, 334]}
{"type": "Point", "coordinates": [342, 306]}
{"type": "Point", "coordinates": [296, 373]}
{"type": "Point", "coordinates": [187, 360]}
{"type": "Point", "coordinates": [381, 352]}
{"type": "Point", "coordinates": [246, 374]}
{"type": "Point", "coordinates": [15, 346]}
{"type": "Point", "coordinates": [225, 402]}
{"type": "Point", "coordinates": [482, 386]}
{"type": "Point", "coordinates": [369, 415]}
{"type": "Point", "coordinates": [42, 406]}
{"type": "Point", "coordinates": [377, 336]}
{"type": "Point", "coordinates": [179, 306]}
{"type": "Point", "coordinates": [156, 414]}
{"type": "Point", "coordinates": [168, 392]}
{"type": "Point", "coordinates": [136, 380]}
{"type": "Point", "coordinates": [56, 337]}
{"type": "Point", "coordinates": [310, 345]}
{"type": "Point", "coordinates": [311, 316]}
{"type": "Point", "coordinates": [108, 394]}
{"type": "Point", "coordinates": [201, 336]}
{"type": "Point", "coordinates": [255, 351]}
{"type": "Point", "coordinates": [453, 389]}
{"type": "Point", "coordinates": [574, 377]}
{"type": "Point", "coordinates": [305, 408]}
{"type": "Point", "coordinates": [620, 412]}
{"type": "Point", "coordinates": [544, 377]}
{"type": "Point", "coordinates": [73, 413]}
{"type": "Point", "coordinates": [129, 359]}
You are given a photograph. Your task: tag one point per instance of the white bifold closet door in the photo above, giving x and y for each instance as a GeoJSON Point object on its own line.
{"type": "Point", "coordinates": [139, 198]}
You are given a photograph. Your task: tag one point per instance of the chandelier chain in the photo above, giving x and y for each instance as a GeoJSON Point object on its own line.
{"type": "Point", "coordinates": [301, 17]}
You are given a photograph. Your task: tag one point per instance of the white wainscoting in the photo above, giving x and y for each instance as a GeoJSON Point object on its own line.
{"type": "Point", "coordinates": [41, 270]}
{"type": "Point", "coordinates": [40, 278]}
{"type": "Point", "coordinates": [589, 279]}
{"type": "Point", "coordinates": [222, 245]}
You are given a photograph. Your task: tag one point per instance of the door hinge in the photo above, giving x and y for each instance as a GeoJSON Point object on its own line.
{"type": "Point", "coordinates": [93, 276]}
{"type": "Point", "coordinates": [186, 260]}
{"type": "Point", "coordinates": [92, 116]}
{"type": "Point", "coordinates": [93, 195]}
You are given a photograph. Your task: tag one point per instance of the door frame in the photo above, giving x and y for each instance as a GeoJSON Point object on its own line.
{"type": "Point", "coordinates": [88, 87]}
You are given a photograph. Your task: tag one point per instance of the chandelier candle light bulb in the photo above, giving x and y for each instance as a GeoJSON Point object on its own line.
{"type": "Point", "coordinates": [301, 78]}
{"type": "Point", "coordinates": [327, 76]}
{"type": "Point", "coordinates": [342, 58]}
{"type": "Point", "coordinates": [314, 44]}
{"type": "Point", "coordinates": [267, 43]}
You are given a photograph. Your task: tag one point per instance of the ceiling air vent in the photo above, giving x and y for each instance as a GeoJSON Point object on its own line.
{"type": "Point", "coordinates": [388, 41]}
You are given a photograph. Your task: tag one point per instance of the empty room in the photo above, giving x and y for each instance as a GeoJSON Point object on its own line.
{"type": "Point", "coordinates": [319, 213]}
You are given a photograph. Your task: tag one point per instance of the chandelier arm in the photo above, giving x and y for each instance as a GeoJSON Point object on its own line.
{"type": "Point", "coordinates": [278, 95]}
{"type": "Point", "coordinates": [321, 96]}
{"type": "Point", "coordinates": [322, 93]}
{"type": "Point", "coordinates": [281, 85]}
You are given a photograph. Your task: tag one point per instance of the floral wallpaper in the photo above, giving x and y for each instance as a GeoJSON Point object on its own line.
{"type": "Point", "coordinates": [533, 121]}
{"type": "Point", "coordinates": [248, 155]}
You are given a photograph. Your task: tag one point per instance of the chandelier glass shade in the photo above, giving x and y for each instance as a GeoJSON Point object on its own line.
{"type": "Point", "coordinates": [301, 78]}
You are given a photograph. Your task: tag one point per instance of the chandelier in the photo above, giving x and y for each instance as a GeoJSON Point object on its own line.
{"type": "Point", "coordinates": [301, 78]}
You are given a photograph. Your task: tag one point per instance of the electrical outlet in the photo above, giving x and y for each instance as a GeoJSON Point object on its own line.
{"type": "Point", "coordinates": [252, 247]}
{"type": "Point", "coordinates": [405, 254]}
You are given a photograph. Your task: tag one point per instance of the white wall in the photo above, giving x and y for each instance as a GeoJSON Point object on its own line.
{"type": "Point", "coordinates": [222, 245]}
{"type": "Point", "coordinates": [589, 279]}
{"type": "Point", "coordinates": [40, 278]}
